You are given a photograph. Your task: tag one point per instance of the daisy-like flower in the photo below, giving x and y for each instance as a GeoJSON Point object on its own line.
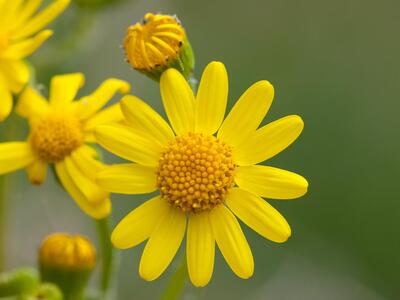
{"type": "Point", "coordinates": [205, 169]}
{"type": "Point", "coordinates": [60, 130]}
{"type": "Point", "coordinates": [20, 36]}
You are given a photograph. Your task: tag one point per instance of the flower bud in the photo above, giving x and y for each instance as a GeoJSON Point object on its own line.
{"type": "Point", "coordinates": [45, 291]}
{"type": "Point", "coordinates": [67, 261]}
{"type": "Point", "coordinates": [18, 281]}
{"type": "Point", "coordinates": [159, 43]}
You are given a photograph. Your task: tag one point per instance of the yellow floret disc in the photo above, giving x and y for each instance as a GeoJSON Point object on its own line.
{"type": "Point", "coordinates": [55, 137]}
{"type": "Point", "coordinates": [195, 172]}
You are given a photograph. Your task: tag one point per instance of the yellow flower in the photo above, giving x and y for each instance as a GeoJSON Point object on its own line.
{"type": "Point", "coordinates": [204, 179]}
{"type": "Point", "coordinates": [158, 43]}
{"type": "Point", "coordinates": [59, 132]}
{"type": "Point", "coordinates": [20, 36]}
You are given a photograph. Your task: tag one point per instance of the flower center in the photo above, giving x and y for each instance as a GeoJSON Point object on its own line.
{"type": "Point", "coordinates": [155, 42]}
{"type": "Point", "coordinates": [55, 137]}
{"type": "Point", "coordinates": [195, 172]}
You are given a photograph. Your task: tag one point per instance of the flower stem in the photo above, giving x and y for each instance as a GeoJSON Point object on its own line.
{"type": "Point", "coordinates": [176, 284]}
{"type": "Point", "coordinates": [2, 223]}
{"type": "Point", "coordinates": [107, 257]}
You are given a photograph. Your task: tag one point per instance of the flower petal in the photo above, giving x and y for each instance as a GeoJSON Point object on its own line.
{"type": "Point", "coordinates": [37, 172]}
{"type": "Point", "coordinates": [43, 18]}
{"type": "Point", "coordinates": [26, 47]}
{"type": "Point", "coordinates": [63, 89]}
{"type": "Point", "coordinates": [178, 101]}
{"type": "Point", "coordinates": [88, 187]}
{"type": "Point", "coordinates": [268, 141]}
{"type": "Point", "coordinates": [271, 182]}
{"type": "Point", "coordinates": [111, 114]}
{"type": "Point", "coordinates": [31, 103]}
{"type": "Point", "coordinates": [97, 210]}
{"type": "Point", "coordinates": [200, 249]}
{"type": "Point", "coordinates": [247, 114]}
{"type": "Point", "coordinates": [6, 103]}
{"type": "Point", "coordinates": [163, 244]}
{"type": "Point", "coordinates": [138, 225]}
{"type": "Point", "coordinates": [211, 98]}
{"type": "Point", "coordinates": [85, 158]}
{"type": "Point", "coordinates": [259, 215]}
{"type": "Point", "coordinates": [232, 242]}
{"type": "Point", "coordinates": [124, 142]}
{"type": "Point", "coordinates": [87, 106]}
{"type": "Point", "coordinates": [16, 74]}
{"type": "Point", "coordinates": [128, 179]}
{"type": "Point", "coordinates": [14, 156]}
{"type": "Point", "coordinates": [25, 12]}
{"type": "Point", "coordinates": [141, 116]}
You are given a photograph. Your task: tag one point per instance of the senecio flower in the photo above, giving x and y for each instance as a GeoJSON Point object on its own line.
{"type": "Point", "coordinates": [20, 36]}
{"type": "Point", "coordinates": [204, 179]}
{"type": "Point", "coordinates": [158, 43]}
{"type": "Point", "coordinates": [60, 130]}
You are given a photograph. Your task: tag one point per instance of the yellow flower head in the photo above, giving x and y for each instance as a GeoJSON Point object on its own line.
{"type": "Point", "coordinates": [159, 42]}
{"type": "Point", "coordinates": [20, 36]}
{"type": "Point", "coordinates": [67, 252]}
{"type": "Point", "coordinates": [59, 132]}
{"type": "Point", "coordinates": [206, 170]}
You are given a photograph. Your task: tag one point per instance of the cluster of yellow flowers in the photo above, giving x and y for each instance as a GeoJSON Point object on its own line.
{"type": "Point", "coordinates": [205, 164]}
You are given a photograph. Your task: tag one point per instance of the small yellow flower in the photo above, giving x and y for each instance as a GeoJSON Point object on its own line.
{"type": "Point", "coordinates": [205, 168]}
{"type": "Point", "coordinates": [20, 36]}
{"type": "Point", "coordinates": [59, 132]}
{"type": "Point", "coordinates": [158, 43]}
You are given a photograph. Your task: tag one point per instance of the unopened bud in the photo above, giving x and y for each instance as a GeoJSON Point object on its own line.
{"type": "Point", "coordinates": [157, 43]}
{"type": "Point", "coordinates": [67, 261]}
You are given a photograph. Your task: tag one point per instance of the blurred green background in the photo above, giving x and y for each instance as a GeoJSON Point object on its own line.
{"type": "Point", "coordinates": [336, 64]}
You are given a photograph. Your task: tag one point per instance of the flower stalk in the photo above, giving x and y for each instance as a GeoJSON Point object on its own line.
{"type": "Point", "coordinates": [107, 256]}
{"type": "Point", "coordinates": [176, 284]}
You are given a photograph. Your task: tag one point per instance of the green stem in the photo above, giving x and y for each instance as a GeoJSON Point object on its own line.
{"type": "Point", "coordinates": [176, 284]}
{"type": "Point", "coordinates": [107, 256]}
{"type": "Point", "coordinates": [2, 223]}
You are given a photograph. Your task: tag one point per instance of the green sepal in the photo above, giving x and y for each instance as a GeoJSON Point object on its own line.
{"type": "Point", "coordinates": [72, 283]}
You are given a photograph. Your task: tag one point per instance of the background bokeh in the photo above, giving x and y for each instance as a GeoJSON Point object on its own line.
{"type": "Point", "coordinates": [335, 63]}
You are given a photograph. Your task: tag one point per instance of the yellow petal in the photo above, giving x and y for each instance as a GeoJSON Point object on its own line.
{"type": "Point", "coordinates": [43, 18]}
{"type": "Point", "coordinates": [16, 74]}
{"type": "Point", "coordinates": [268, 141]}
{"type": "Point", "coordinates": [31, 103]}
{"type": "Point", "coordinates": [111, 114]}
{"type": "Point", "coordinates": [6, 102]}
{"type": "Point", "coordinates": [124, 142]}
{"type": "Point", "coordinates": [87, 161]}
{"type": "Point", "coordinates": [178, 101]}
{"type": "Point", "coordinates": [211, 98]}
{"type": "Point", "coordinates": [271, 182]}
{"type": "Point", "coordinates": [247, 114]}
{"type": "Point", "coordinates": [14, 156]}
{"type": "Point", "coordinates": [87, 106]}
{"type": "Point", "coordinates": [26, 47]}
{"type": "Point", "coordinates": [163, 244]}
{"type": "Point", "coordinates": [259, 215]}
{"type": "Point", "coordinates": [95, 210]}
{"type": "Point", "coordinates": [88, 187]}
{"type": "Point", "coordinates": [128, 179]}
{"type": "Point", "coordinates": [200, 249]}
{"type": "Point", "coordinates": [37, 172]}
{"type": "Point", "coordinates": [138, 225]}
{"type": "Point", "coordinates": [232, 242]}
{"type": "Point", "coordinates": [63, 89]}
{"type": "Point", "coordinates": [141, 116]}
{"type": "Point", "coordinates": [25, 12]}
